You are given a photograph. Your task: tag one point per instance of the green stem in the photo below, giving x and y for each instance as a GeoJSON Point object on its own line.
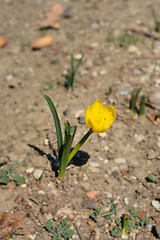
{"type": "Point", "coordinates": [81, 142]}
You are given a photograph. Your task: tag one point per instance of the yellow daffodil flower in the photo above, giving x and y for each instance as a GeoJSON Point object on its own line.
{"type": "Point", "coordinates": [98, 117]}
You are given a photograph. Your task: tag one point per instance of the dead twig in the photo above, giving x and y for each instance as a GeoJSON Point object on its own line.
{"type": "Point", "coordinates": [77, 231]}
{"type": "Point", "coordinates": [147, 34]}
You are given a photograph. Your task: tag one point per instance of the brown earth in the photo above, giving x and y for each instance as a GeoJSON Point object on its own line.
{"type": "Point", "coordinates": [119, 160]}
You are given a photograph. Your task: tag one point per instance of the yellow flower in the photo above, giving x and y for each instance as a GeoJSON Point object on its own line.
{"type": "Point", "coordinates": [98, 117]}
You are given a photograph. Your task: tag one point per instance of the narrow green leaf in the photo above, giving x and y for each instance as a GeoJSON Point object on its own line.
{"type": "Point", "coordinates": [57, 125]}
{"type": "Point", "coordinates": [66, 150]}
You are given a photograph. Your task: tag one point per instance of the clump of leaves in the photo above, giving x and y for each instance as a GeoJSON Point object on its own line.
{"type": "Point", "coordinates": [127, 223]}
{"type": "Point", "coordinates": [106, 214]}
{"type": "Point", "coordinates": [133, 103]}
{"type": "Point", "coordinates": [152, 179]}
{"type": "Point", "coordinates": [124, 40]}
{"type": "Point", "coordinates": [10, 175]}
{"type": "Point", "coordinates": [71, 74]}
{"type": "Point", "coordinates": [63, 231]}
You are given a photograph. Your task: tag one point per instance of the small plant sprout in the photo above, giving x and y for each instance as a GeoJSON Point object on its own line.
{"type": "Point", "coordinates": [63, 231]}
{"type": "Point", "coordinates": [97, 117]}
{"type": "Point", "coordinates": [10, 175]}
{"type": "Point", "coordinates": [157, 22]}
{"type": "Point", "coordinates": [133, 103]}
{"type": "Point", "coordinates": [127, 223]}
{"type": "Point", "coordinates": [71, 74]}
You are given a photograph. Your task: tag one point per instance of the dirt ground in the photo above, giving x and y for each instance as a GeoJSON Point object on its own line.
{"type": "Point", "coordinates": [113, 165]}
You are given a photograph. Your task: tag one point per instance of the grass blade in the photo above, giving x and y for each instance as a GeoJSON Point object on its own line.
{"type": "Point", "coordinates": [57, 125]}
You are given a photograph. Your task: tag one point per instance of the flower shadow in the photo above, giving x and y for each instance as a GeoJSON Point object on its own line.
{"type": "Point", "coordinates": [80, 158]}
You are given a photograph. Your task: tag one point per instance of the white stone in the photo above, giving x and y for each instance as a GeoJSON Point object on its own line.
{"type": "Point", "coordinates": [133, 49]}
{"type": "Point", "coordinates": [139, 138]}
{"type": "Point", "coordinates": [126, 201]}
{"type": "Point", "coordinates": [30, 170]}
{"type": "Point", "coordinates": [94, 45]}
{"type": "Point", "coordinates": [94, 164]}
{"type": "Point", "coordinates": [102, 72]}
{"type": "Point", "coordinates": [41, 192]}
{"type": "Point", "coordinates": [78, 56]}
{"type": "Point", "coordinates": [37, 174]}
{"type": "Point", "coordinates": [156, 204]}
{"type": "Point", "coordinates": [120, 160]}
{"type": "Point", "coordinates": [46, 142]}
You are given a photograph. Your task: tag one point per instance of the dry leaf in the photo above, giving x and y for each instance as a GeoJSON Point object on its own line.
{"type": "Point", "coordinates": [53, 17]}
{"type": "Point", "coordinates": [3, 41]}
{"type": "Point", "coordinates": [42, 42]}
{"type": "Point", "coordinates": [10, 222]}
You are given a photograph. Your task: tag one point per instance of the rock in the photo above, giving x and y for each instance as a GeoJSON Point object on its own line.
{"type": "Point", "coordinates": [41, 192]}
{"type": "Point", "coordinates": [155, 98]}
{"type": "Point", "coordinates": [133, 49]}
{"type": "Point", "coordinates": [37, 174]}
{"type": "Point", "coordinates": [83, 72]}
{"type": "Point", "coordinates": [46, 142]}
{"type": "Point", "coordinates": [9, 78]}
{"type": "Point", "coordinates": [66, 112]}
{"type": "Point", "coordinates": [94, 164]}
{"type": "Point", "coordinates": [89, 203]}
{"type": "Point", "coordinates": [102, 135]}
{"type": "Point", "coordinates": [102, 72]}
{"type": "Point", "coordinates": [158, 228]}
{"type": "Point", "coordinates": [125, 89]}
{"type": "Point", "coordinates": [81, 120]}
{"type": "Point", "coordinates": [30, 170]}
{"type": "Point", "coordinates": [94, 25]}
{"type": "Point", "coordinates": [78, 56]}
{"type": "Point", "coordinates": [94, 45]}
{"type": "Point", "coordinates": [156, 204]}
{"type": "Point", "coordinates": [139, 138]}
{"type": "Point", "coordinates": [86, 186]}
{"type": "Point", "coordinates": [94, 74]}
{"type": "Point", "coordinates": [120, 160]}
{"type": "Point", "coordinates": [137, 72]}
{"type": "Point", "coordinates": [12, 157]}
{"type": "Point", "coordinates": [151, 154]}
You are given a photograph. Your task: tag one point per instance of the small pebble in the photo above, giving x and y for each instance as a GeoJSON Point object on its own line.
{"type": "Point", "coordinates": [156, 204]}
{"type": "Point", "coordinates": [81, 120]}
{"type": "Point", "coordinates": [66, 112]}
{"type": "Point", "coordinates": [126, 201]}
{"type": "Point", "coordinates": [95, 26]}
{"type": "Point", "coordinates": [79, 113]}
{"type": "Point", "coordinates": [12, 157]}
{"type": "Point", "coordinates": [139, 138]}
{"type": "Point", "coordinates": [149, 226]}
{"type": "Point", "coordinates": [155, 98]}
{"type": "Point", "coordinates": [30, 170]}
{"type": "Point", "coordinates": [137, 72]}
{"type": "Point", "coordinates": [9, 78]}
{"type": "Point", "coordinates": [102, 135]}
{"type": "Point", "coordinates": [125, 89]}
{"type": "Point", "coordinates": [120, 160]}
{"type": "Point", "coordinates": [94, 45]}
{"type": "Point", "coordinates": [46, 142]}
{"type": "Point", "coordinates": [94, 164]}
{"type": "Point", "coordinates": [78, 56]}
{"type": "Point", "coordinates": [94, 74]}
{"type": "Point", "coordinates": [23, 185]}
{"type": "Point", "coordinates": [133, 49]}
{"type": "Point", "coordinates": [41, 192]}
{"type": "Point", "coordinates": [37, 173]}
{"type": "Point", "coordinates": [102, 72]}
{"type": "Point", "coordinates": [83, 72]}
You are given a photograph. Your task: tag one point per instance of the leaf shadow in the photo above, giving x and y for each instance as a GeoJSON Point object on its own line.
{"type": "Point", "coordinates": [80, 158]}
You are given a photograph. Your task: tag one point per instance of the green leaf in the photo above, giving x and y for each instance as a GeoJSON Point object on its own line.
{"type": "Point", "coordinates": [57, 125]}
{"type": "Point", "coordinates": [19, 179]}
{"type": "Point", "coordinates": [69, 136]}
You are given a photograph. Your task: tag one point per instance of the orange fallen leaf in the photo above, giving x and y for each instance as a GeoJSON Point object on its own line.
{"type": "Point", "coordinates": [42, 42]}
{"type": "Point", "coordinates": [53, 17]}
{"type": "Point", "coordinates": [92, 194]}
{"type": "Point", "coordinates": [3, 41]}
